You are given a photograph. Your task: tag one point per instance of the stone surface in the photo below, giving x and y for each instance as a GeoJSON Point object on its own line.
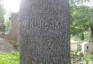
{"type": "Point", "coordinates": [44, 32]}
{"type": "Point", "coordinates": [5, 46]}
{"type": "Point", "coordinates": [73, 45]}
{"type": "Point", "coordinates": [86, 48]}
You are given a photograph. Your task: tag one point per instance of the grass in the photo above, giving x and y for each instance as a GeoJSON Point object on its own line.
{"type": "Point", "coordinates": [88, 59]}
{"type": "Point", "coordinates": [9, 58]}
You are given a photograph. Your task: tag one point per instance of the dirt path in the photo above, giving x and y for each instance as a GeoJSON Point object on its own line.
{"type": "Point", "coordinates": [5, 46]}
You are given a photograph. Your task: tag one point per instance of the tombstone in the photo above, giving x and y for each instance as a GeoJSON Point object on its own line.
{"type": "Point", "coordinates": [86, 48]}
{"type": "Point", "coordinates": [13, 35]}
{"type": "Point", "coordinates": [74, 45]}
{"type": "Point", "coordinates": [44, 32]}
{"type": "Point", "coordinates": [14, 29]}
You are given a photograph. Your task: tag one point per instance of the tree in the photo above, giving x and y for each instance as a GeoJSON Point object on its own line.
{"type": "Point", "coordinates": [2, 13]}
{"type": "Point", "coordinates": [81, 19]}
{"type": "Point", "coordinates": [44, 32]}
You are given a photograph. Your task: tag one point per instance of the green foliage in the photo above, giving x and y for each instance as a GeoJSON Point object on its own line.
{"type": "Point", "coordinates": [81, 19]}
{"type": "Point", "coordinates": [87, 59]}
{"type": "Point", "coordinates": [7, 22]}
{"type": "Point", "coordinates": [2, 13]}
{"type": "Point", "coordinates": [5, 16]}
{"type": "Point", "coordinates": [82, 36]}
{"type": "Point", "coordinates": [7, 25]}
{"type": "Point", "coordinates": [9, 58]}
{"type": "Point", "coordinates": [81, 58]}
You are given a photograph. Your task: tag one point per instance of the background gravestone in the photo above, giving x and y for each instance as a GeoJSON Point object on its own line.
{"type": "Point", "coordinates": [14, 29]}
{"type": "Point", "coordinates": [13, 35]}
{"type": "Point", "coordinates": [44, 32]}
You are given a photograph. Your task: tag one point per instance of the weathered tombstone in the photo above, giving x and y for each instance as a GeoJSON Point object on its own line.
{"type": "Point", "coordinates": [14, 29]}
{"type": "Point", "coordinates": [73, 45]}
{"type": "Point", "coordinates": [44, 32]}
{"type": "Point", "coordinates": [86, 48]}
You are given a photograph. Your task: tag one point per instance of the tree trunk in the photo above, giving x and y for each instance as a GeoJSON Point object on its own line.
{"type": "Point", "coordinates": [44, 32]}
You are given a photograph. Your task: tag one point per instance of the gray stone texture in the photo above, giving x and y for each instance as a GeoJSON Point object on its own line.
{"type": "Point", "coordinates": [44, 32]}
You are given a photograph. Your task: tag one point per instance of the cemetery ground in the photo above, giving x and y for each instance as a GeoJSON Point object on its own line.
{"type": "Point", "coordinates": [77, 55]}
{"type": "Point", "coordinates": [8, 53]}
